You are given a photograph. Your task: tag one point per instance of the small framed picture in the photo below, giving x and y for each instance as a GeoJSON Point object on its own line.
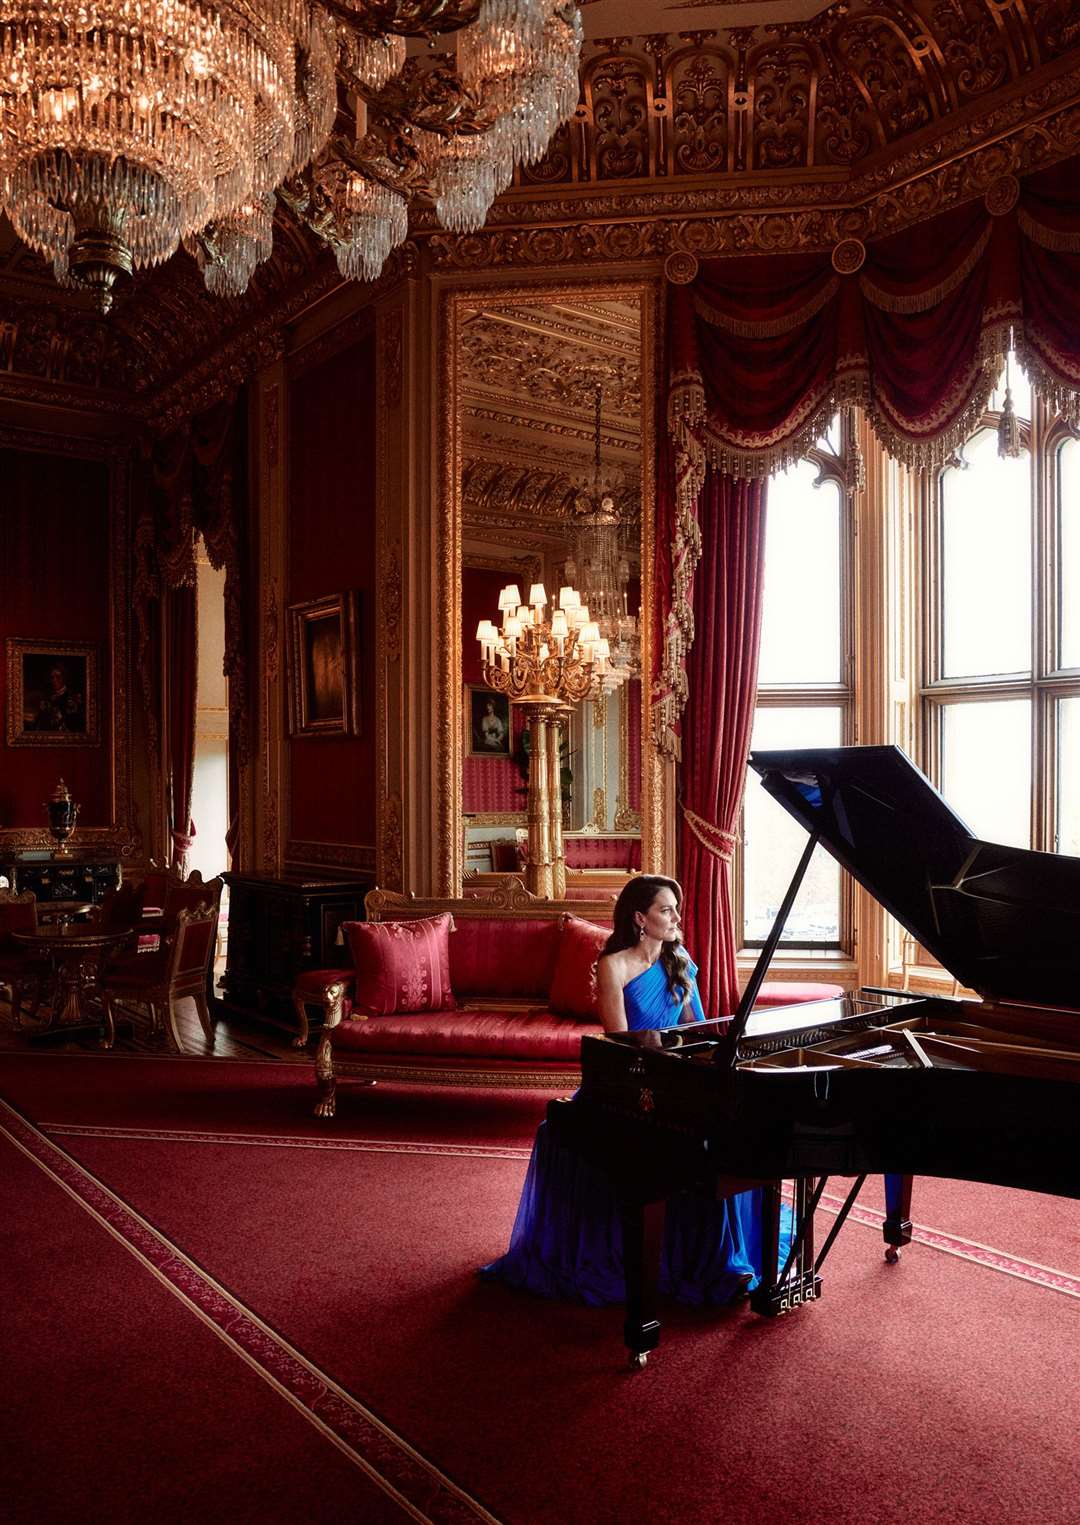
{"type": "Point", "coordinates": [323, 667]}
{"type": "Point", "coordinates": [52, 694]}
{"type": "Point", "coordinates": [487, 721]}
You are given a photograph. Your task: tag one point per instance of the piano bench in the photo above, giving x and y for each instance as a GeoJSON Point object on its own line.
{"type": "Point", "coordinates": [790, 992]}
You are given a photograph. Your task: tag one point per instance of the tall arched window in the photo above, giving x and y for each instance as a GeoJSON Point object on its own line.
{"type": "Point", "coordinates": [804, 690]}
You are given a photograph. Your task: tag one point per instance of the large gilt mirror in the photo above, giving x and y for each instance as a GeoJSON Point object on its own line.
{"type": "Point", "coordinates": [552, 498]}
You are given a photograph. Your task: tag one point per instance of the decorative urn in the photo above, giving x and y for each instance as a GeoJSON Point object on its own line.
{"type": "Point", "coordinates": [63, 813]}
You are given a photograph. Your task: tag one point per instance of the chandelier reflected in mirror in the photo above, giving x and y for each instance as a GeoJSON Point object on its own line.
{"type": "Point", "coordinates": [128, 127]}
{"type": "Point", "coordinates": [605, 528]}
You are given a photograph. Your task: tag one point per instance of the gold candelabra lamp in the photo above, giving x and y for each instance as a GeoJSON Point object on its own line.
{"type": "Point", "coordinates": [546, 663]}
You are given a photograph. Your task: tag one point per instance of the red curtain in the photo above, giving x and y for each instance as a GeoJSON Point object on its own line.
{"type": "Point", "coordinates": [722, 673]}
{"type": "Point", "coordinates": [761, 351]}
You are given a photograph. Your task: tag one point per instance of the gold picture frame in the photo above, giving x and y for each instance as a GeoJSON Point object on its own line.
{"type": "Point", "coordinates": [323, 667]}
{"type": "Point", "coordinates": [488, 724]}
{"type": "Point", "coordinates": [52, 694]}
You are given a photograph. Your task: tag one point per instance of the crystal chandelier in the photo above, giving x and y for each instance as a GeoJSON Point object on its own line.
{"type": "Point", "coordinates": [600, 564]}
{"type": "Point", "coordinates": [130, 126]}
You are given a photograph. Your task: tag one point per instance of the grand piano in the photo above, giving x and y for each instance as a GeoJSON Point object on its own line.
{"type": "Point", "coordinates": [875, 1082]}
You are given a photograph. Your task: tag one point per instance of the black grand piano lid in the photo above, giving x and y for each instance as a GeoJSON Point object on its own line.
{"type": "Point", "coordinates": [1004, 920]}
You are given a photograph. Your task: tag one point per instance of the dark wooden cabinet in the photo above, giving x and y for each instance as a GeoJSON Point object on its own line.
{"type": "Point", "coordinates": [280, 926]}
{"type": "Point", "coordinates": [83, 878]}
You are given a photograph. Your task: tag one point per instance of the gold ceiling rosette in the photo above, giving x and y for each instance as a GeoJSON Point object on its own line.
{"type": "Point", "coordinates": [128, 127]}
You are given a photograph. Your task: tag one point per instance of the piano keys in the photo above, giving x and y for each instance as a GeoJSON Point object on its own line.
{"type": "Point", "coordinates": [875, 1082]}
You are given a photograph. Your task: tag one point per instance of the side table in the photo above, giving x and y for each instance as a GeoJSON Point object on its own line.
{"type": "Point", "coordinates": [75, 954]}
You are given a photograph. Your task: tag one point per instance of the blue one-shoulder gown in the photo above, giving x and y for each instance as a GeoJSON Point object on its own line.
{"type": "Point", "coordinates": [567, 1238]}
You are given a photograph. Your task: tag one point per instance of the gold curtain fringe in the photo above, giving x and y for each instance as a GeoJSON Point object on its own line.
{"type": "Point", "coordinates": [713, 838]}
{"type": "Point", "coordinates": [922, 301]}
{"type": "Point", "coordinates": [934, 450]}
{"type": "Point", "coordinates": [744, 328]}
{"type": "Point", "coordinates": [1055, 239]}
{"type": "Point", "coordinates": [1062, 397]}
{"type": "Point", "coordinates": [753, 463]}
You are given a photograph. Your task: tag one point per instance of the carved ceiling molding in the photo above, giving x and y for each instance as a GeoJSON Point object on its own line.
{"type": "Point", "coordinates": [502, 494]}
{"type": "Point", "coordinates": [729, 217]}
{"type": "Point", "coordinates": [222, 370]}
{"type": "Point", "coordinates": [548, 370]}
{"type": "Point", "coordinates": [833, 92]}
{"type": "Point", "coordinates": [578, 444]}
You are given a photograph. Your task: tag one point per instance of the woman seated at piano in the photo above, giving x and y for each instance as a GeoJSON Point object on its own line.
{"type": "Point", "coordinates": [567, 1237]}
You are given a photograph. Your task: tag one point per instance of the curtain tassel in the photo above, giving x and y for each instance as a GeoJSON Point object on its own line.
{"type": "Point", "coordinates": [1008, 424]}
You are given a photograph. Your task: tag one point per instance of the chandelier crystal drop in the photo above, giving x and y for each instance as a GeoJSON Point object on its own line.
{"type": "Point", "coordinates": [378, 220]}
{"type": "Point", "coordinates": [128, 127]}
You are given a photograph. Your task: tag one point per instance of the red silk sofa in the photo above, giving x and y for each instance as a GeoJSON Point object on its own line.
{"type": "Point", "coordinates": [511, 959]}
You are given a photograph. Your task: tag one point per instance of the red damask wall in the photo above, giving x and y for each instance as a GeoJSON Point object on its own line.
{"type": "Point", "coordinates": [331, 549]}
{"type": "Point", "coordinates": [55, 546]}
{"type": "Point", "coordinates": [488, 784]}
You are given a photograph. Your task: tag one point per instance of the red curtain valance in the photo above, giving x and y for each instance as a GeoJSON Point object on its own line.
{"type": "Point", "coordinates": [914, 328]}
{"type": "Point", "coordinates": [763, 349]}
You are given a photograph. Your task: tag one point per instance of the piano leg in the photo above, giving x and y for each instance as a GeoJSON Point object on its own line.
{"type": "Point", "coordinates": [643, 1238]}
{"type": "Point", "coordinates": [764, 1298]}
{"type": "Point", "coordinates": [897, 1226]}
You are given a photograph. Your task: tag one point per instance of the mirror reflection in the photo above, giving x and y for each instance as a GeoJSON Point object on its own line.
{"type": "Point", "coordinates": [550, 429]}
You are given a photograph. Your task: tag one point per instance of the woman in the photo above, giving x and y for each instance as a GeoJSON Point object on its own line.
{"type": "Point", "coordinates": [567, 1238]}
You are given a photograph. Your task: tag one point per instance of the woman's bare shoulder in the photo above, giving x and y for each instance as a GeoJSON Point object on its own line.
{"type": "Point", "coordinates": [616, 967]}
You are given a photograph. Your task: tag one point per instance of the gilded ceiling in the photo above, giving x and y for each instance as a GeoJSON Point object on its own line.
{"type": "Point", "coordinates": [708, 127]}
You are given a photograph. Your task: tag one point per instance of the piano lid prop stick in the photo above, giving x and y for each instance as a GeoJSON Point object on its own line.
{"type": "Point", "coordinates": [753, 985]}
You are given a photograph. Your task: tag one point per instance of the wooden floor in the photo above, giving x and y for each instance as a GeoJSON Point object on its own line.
{"type": "Point", "coordinates": [236, 1036]}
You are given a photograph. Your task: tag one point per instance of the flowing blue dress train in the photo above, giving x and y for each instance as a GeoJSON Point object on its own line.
{"type": "Point", "coordinates": [567, 1238]}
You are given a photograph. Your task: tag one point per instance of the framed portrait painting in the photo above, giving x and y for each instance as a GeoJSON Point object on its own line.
{"type": "Point", "coordinates": [52, 694]}
{"type": "Point", "coordinates": [323, 697]}
{"type": "Point", "coordinates": [487, 722]}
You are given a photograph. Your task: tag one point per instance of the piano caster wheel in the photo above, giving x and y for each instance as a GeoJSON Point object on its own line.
{"type": "Point", "coordinates": [638, 1359]}
{"type": "Point", "coordinates": [892, 1255]}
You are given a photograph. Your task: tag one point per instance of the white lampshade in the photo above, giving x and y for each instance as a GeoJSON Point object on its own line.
{"type": "Point", "coordinates": [569, 598]}
{"type": "Point", "coordinates": [538, 595]}
{"type": "Point", "coordinates": [559, 627]}
{"type": "Point", "coordinates": [510, 596]}
{"type": "Point", "coordinates": [589, 634]}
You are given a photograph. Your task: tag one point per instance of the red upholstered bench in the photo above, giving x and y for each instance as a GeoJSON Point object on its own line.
{"type": "Point", "coordinates": [790, 992]}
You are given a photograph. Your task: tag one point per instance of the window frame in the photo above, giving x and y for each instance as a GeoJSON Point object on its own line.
{"type": "Point", "coordinates": [843, 467]}
{"type": "Point", "coordinates": [1043, 437]}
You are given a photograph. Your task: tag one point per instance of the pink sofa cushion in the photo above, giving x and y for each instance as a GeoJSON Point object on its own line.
{"type": "Point", "coordinates": [401, 966]}
{"type": "Point", "coordinates": [499, 957]}
{"type": "Point", "coordinates": [495, 1035]}
{"type": "Point", "coordinates": [573, 985]}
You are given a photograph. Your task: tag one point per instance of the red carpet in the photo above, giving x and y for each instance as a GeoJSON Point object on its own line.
{"type": "Point", "coordinates": [941, 1389]}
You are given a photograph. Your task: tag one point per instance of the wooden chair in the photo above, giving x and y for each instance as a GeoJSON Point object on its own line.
{"type": "Point", "coordinates": [159, 980]}
{"type": "Point", "coordinates": [20, 968]}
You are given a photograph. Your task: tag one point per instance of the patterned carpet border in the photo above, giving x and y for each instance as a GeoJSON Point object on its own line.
{"type": "Point", "coordinates": [968, 1249]}
{"type": "Point", "coordinates": [936, 1239]}
{"type": "Point", "coordinates": [415, 1483]}
{"type": "Point", "coordinates": [281, 1141]}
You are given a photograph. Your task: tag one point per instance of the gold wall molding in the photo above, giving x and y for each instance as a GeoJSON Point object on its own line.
{"type": "Point", "coordinates": [360, 857]}
{"type": "Point", "coordinates": [389, 869]}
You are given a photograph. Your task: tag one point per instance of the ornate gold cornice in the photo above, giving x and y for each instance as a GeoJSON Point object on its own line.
{"type": "Point", "coordinates": [739, 215]}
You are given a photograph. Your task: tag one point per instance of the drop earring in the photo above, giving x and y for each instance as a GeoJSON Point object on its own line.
{"type": "Point", "coordinates": [641, 933]}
